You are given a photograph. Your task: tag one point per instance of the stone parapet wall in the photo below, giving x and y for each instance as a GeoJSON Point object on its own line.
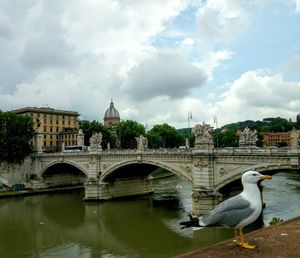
{"type": "Point", "coordinates": [14, 173]}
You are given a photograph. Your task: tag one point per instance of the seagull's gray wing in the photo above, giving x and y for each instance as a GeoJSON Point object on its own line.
{"type": "Point", "coordinates": [228, 213]}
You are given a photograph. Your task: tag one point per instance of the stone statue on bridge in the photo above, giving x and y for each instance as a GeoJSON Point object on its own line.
{"type": "Point", "coordinates": [142, 142]}
{"type": "Point", "coordinates": [95, 142]}
{"type": "Point", "coordinates": [248, 138]}
{"type": "Point", "coordinates": [203, 137]}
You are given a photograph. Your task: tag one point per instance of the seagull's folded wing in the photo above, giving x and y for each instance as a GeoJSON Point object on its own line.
{"type": "Point", "coordinates": [228, 213]}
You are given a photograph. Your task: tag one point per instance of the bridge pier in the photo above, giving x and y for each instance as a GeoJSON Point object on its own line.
{"type": "Point", "coordinates": [97, 190]}
{"type": "Point", "coordinates": [204, 201]}
{"type": "Point", "coordinates": [204, 197]}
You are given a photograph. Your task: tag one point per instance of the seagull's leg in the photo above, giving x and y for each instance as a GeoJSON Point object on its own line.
{"type": "Point", "coordinates": [237, 236]}
{"type": "Point", "coordinates": [242, 242]}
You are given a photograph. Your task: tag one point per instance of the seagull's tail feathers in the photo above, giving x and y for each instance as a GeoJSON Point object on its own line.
{"type": "Point", "coordinates": [193, 222]}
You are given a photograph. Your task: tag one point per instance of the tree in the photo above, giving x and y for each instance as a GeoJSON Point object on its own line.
{"type": "Point", "coordinates": [16, 131]}
{"type": "Point", "coordinates": [228, 138]}
{"type": "Point", "coordinates": [164, 136]}
{"type": "Point", "coordinates": [126, 133]}
{"type": "Point", "coordinates": [88, 128]}
{"type": "Point", "coordinates": [278, 124]}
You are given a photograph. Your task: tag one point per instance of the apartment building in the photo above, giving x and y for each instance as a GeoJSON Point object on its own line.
{"type": "Point", "coordinates": [56, 126]}
{"type": "Point", "coordinates": [278, 139]}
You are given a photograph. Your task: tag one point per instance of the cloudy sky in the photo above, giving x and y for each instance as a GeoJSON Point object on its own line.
{"type": "Point", "coordinates": [158, 60]}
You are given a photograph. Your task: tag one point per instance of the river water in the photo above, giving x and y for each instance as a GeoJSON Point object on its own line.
{"type": "Point", "coordinates": [61, 225]}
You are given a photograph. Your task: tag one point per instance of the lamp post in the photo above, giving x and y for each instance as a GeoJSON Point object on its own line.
{"type": "Point", "coordinates": [216, 122]}
{"type": "Point", "coordinates": [187, 142]}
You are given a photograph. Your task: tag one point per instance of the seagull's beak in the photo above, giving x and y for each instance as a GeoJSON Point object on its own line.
{"type": "Point", "coordinates": [266, 177]}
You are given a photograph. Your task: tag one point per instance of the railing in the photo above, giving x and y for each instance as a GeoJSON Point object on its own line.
{"type": "Point", "coordinates": [216, 151]}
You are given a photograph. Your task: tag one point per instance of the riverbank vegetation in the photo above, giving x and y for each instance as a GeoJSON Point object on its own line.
{"type": "Point", "coordinates": [16, 131]}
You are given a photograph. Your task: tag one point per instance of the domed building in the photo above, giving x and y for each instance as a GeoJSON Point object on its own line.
{"type": "Point", "coordinates": [111, 116]}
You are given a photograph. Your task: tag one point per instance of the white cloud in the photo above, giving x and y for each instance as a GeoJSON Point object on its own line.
{"type": "Point", "coordinates": [172, 111]}
{"type": "Point", "coordinates": [222, 20]}
{"type": "Point", "coordinates": [297, 5]}
{"type": "Point", "coordinates": [164, 74]}
{"type": "Point", "coordinates": [257, 95]}
{"type": "Point", "coordinates": [151, 57]}
{"type": "Point", "coordinates": [188, 42]}
{"type": "Point", "coordinates": [213, 59]}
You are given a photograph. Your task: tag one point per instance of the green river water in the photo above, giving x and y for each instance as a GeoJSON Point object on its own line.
{"type": "Point", "coordinates": [61, 225]}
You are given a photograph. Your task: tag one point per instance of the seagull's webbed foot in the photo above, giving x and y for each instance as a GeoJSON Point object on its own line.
{"type": "Point", "coordinates": [240, 239]}
{"type": "Point", "coordinates": [247, 246]}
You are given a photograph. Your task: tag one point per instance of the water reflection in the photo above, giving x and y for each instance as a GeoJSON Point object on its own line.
{"type": "Point", "coordinates": [61, 225]}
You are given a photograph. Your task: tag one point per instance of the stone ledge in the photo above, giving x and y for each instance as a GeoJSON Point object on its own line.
{"type": "Point", "coordinates": [278, 241]}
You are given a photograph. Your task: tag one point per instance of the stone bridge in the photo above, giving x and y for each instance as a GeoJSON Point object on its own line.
{"type": "Point", "coordinates": [112, 174]}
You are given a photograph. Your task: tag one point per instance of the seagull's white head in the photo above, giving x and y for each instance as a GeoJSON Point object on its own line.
{"type": "Point", "coordinates": [252, 177]}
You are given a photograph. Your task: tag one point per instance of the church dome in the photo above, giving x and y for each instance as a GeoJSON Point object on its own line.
{"type": "Point", "coordinates": [111, 116]}
{"type": "Point", "coordinates": [111, 112]}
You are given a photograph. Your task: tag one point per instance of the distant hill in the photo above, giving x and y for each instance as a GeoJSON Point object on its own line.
{"type": "Point", "coordinates": [277, 124]}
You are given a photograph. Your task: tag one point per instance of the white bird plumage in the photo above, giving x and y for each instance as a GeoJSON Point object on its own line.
{"type": "Point", "coordinates": [237, 211]}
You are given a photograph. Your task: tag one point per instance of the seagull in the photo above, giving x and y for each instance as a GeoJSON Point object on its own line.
{"type": "Point", "coordinates": [237, 211]}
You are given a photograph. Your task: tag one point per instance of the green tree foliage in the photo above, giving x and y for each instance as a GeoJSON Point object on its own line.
{"type": "Point", "coordinates": [126, 133]}
{"type": "Point", "coordinates": [226, 138]}
{"type": "Point", "coordinates": [227, 135]}
{"type": "Point", "coordinates": [164, 136]}
{"type": "Point", "coordinates": [88, 128]}
{"type": "Point", "coordinates": [278, 124]}
{"type": "Point", "coordinates": [16, 131]}
{"type": "Point", "coordinates": [186, 133]}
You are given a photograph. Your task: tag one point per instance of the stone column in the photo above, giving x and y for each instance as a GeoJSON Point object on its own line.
{"type": "Point", "coordinates": [294, 139]}
{"type": "Point", "coordinates": [80, 138]}
{"type": "Point", "coordinates": [38, 141]}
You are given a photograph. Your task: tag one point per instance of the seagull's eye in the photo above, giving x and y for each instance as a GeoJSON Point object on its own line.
{"type": "Point", "coordinates": [253, 174]}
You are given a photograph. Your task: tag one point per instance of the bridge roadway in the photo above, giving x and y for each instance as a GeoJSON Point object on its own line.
{"type": "Point", "coordinates": [112, 174]}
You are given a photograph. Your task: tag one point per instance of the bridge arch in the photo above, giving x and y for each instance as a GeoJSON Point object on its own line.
{"type": "Point", "coordinates": [113, 170]}
{"type": "Point", "coordinates": [71, 163]}
{"type": "Point", "coordinates": [268, 169]}
{"type": "Point", "coordinates": [63, 173]}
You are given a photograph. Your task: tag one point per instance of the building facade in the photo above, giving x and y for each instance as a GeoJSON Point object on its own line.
{"type": "Point", "coordinates": [278, 139]}
{"type": "Point", "coordinates": [56, 126]}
